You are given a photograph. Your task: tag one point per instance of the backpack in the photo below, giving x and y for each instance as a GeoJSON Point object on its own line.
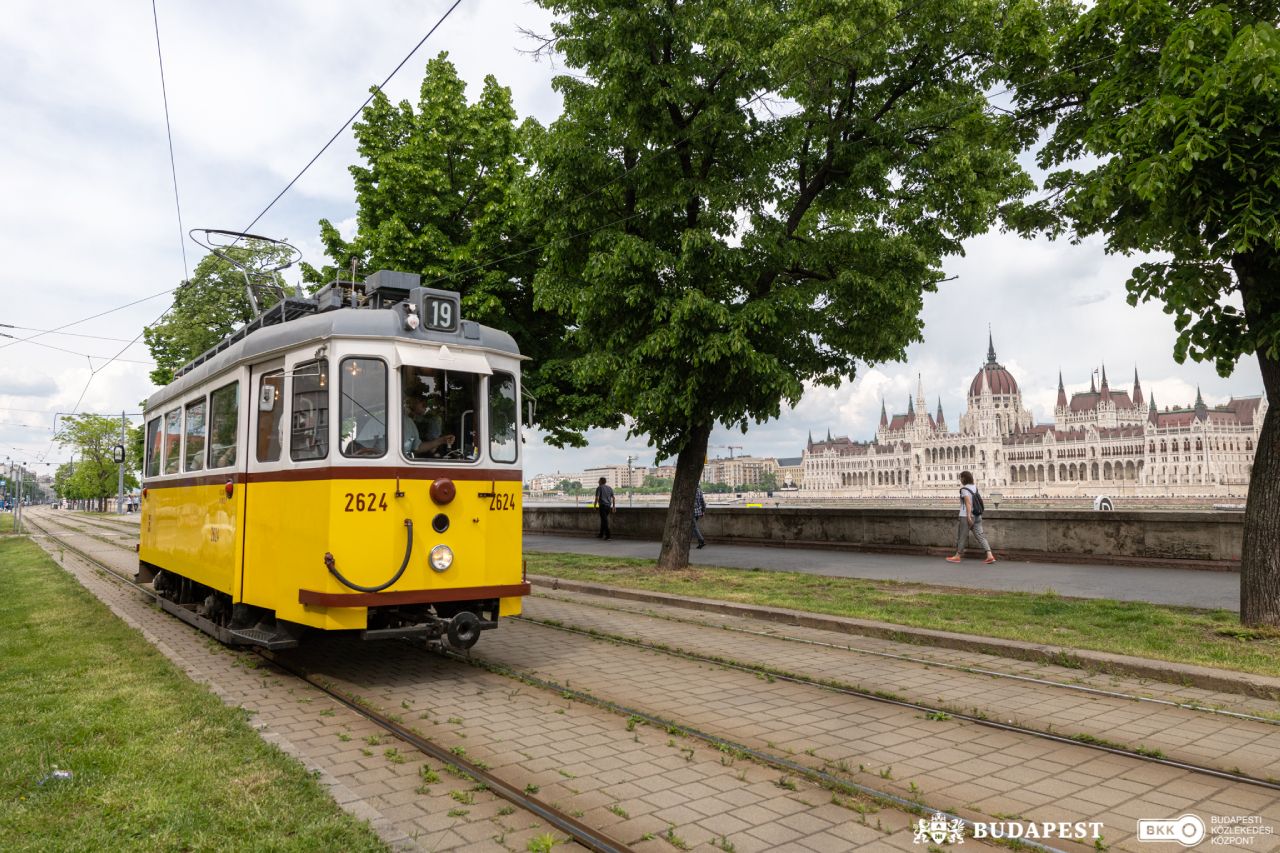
{"type": "Point", "coordinates": [977, 502]}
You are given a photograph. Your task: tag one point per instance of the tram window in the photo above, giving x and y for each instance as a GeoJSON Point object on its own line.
{"type": "Point", "coordinates": [224, 415]}
{"type": "Point", "coordinates": [438, 419]}
{"type": "Point", "coordinates": [309, 434]}
{"type": "Point", "coordinates": [195, 436]}
{"type": "Point", "coordinates": [270, 416]}
{"type": "Point", "coordinates": [362, 409]}
{"type": "Point", "coordinates": [155, 440]}
{"type": "Point", "coordinates": [172, 440]}
{"type": "Point", "coordinates": [503, 415]}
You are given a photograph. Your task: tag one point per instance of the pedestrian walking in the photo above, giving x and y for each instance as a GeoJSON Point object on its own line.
{"type": "Point", "coordinates": [699, 509]}
{"type": "Point", "coordinates": [606, 506]}
{"type": "Point", "coordinates": [970, 519]}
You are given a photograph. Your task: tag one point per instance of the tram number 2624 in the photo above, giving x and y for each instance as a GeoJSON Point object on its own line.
{"type": "Point", "coordinates": [366, 502]}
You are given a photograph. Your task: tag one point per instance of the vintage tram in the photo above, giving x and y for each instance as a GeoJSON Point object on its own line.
{"type": "Point", "coordinates": [349, 461]}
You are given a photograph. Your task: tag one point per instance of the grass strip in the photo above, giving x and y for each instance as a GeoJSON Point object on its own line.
{"type": "Point", "coordinates": [6, 522]}
{"type": "Point", "coordinates": [156, 761]}
{"type": "Point", "coordinates": [1180, 634]}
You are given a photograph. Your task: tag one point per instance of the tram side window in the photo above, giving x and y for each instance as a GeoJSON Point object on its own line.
{"type": "Point", "coordinates": [195, 436]}
{"type": "Point", "coordinates": [224, 416]}
{"type": "Point", "coordinates": [309, 434]}
{"type": "Point", "coordinates": [362, 410]}
{"type": "Point", "coordinates": [503, 417]}
{"type": "Point", "coordinates": [271, 416]}
{"type": "Point", "coordinates": [155, 442]}
{"type": "Point", "coordinates": [439, 409]}
{"type": "Point", "coordinates": [172, 440]}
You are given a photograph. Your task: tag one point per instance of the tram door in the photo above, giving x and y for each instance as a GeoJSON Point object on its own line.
{"type": "Point", "coordinates": [267, 504]}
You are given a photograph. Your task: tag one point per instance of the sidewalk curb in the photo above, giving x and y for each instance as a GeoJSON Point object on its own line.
{"type": "Point", "coordinates": [1206, 678]}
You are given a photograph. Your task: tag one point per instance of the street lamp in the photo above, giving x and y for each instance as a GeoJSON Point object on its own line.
{"type": "Point", "coordinates": [631, 483]}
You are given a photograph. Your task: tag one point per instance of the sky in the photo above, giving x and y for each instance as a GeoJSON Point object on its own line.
{"type": "Point", "coordinates": [88, 221]}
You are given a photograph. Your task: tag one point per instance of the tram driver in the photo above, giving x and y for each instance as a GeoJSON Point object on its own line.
{"type": "Point", "coordinates": [431, 440]}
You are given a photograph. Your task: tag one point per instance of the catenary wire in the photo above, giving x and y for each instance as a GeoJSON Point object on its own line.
{"type": "Point", "coordinates": [354, 115]}
{"type": "Point", "coordinates": [173, 166]}
{"type": "Point", "coordinates": [91, 317]}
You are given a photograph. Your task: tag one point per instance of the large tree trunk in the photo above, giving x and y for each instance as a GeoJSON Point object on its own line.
{"type": "Point", "coordinates": [679, 527]}
{"type": "Point", "coordinates": [1260, 553]}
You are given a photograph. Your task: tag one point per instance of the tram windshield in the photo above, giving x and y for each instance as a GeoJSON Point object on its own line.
{"type": "Point", "coordinates": [439, 411]}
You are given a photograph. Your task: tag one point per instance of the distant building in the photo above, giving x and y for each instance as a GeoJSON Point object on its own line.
{"type": "Point", "coordinates": [616, 476]}
{"type": "Point", "coordinates": [1101, 440]}
{"type": "Point", "coordinates": [551, 482]}
{"type": "Point", "coordinates": [739, 471]}
{"type": "Point", "coordinates": [791, 472]}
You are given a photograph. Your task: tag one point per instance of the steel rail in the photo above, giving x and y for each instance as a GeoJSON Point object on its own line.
{"type": "Point", "coordinates": [915, 706]}
{"type": "Point", "coordinates": [571, 826]}
{"type": "Point", "coordinates": [973, 670]}
{"type": "Point", "coordinates": [724, 744]}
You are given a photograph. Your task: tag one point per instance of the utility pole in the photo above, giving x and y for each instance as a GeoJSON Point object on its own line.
{"type": "Point", "coordinates": [124, 427]}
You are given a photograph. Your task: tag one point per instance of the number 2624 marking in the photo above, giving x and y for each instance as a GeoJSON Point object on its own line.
{"type": "Point", "coordinates": [366, 502]}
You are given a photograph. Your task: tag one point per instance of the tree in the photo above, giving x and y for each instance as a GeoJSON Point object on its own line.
{"type": "Point", "coordinates": [745, 197]}
{"type": "Point", "coordinates": [440, 195]}
{"type": "Point", "coordinates": [208, 307]}
{"type": "Point", "coordinates": [95, 475]}
{"type": "Point", "coordinates": [1175, 105]}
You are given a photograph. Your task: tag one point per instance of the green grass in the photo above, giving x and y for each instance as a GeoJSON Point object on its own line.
{"type": "Point", "coordinates": [6, 522]}
{"type": "Point", "coordinates": [158, 762]}
{"type": "Point", "coordinates": [1181, 634]}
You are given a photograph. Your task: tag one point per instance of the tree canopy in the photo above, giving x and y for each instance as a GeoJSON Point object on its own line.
{"type": "Point", "coordinates": [208, 307]}
{"type": "Point", "coordinates": [441, 194]}
{"type": "Point", "coordinates": [1166, 139]}
{"type": "Point", "coordinates": [95, 474]}
{"type": "Point", "coordinates": [744, 197]}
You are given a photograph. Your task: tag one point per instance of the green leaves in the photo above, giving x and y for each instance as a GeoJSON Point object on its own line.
{"type": "Point", "coordinates": [1186, 118]}
{"type": "Point", "coordinates": [744, 197]}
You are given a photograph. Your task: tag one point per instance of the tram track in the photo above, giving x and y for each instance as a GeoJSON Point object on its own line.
{"type": "Point", "coordinates": [1094, 743]}
{"type": "Point", "coordinates": [584, 835]}
{"type": "Point", "coordinates": [930, 662]}
{"type": "Point", "coordinates": [904, 658]}
{"type": "Point", "coordinates": [585, 691]}
{"type": "Point", "coordinates": [935, 711]}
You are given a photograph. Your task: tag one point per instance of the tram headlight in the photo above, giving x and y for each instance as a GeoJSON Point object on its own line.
{"type": "Point", "coordinates": [441, 557]}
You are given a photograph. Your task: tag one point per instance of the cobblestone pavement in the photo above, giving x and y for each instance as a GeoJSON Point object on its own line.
{"type": "Point", "coordinates": [653, 790]}
{"type": "Point", "coordinates": [940, 656]}
{"type": "Point", "coordinates": [949, 762]}
{"type": "Point", "coordinates": [1211, 740]}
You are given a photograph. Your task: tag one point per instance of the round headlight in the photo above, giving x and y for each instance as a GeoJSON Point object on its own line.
{"type": "Point", "coordinates": [441, 557]}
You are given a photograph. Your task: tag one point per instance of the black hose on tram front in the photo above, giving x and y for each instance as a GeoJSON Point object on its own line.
{"type": "Point", "coordinates": [331, 564]}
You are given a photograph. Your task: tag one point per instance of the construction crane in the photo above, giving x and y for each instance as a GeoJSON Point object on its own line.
{"type": "Point", "coordinates": [728, 447]}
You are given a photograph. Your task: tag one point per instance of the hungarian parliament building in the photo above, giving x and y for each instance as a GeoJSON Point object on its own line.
{"type": "Point", "coordinates": [1101, 441]}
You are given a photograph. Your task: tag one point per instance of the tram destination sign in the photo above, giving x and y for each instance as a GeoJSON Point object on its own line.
{"type": "Point", "coordinates": [439, 310]}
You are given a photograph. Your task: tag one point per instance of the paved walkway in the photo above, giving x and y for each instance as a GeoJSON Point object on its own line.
{"type": "Point", "coordinates": [1185, 587]}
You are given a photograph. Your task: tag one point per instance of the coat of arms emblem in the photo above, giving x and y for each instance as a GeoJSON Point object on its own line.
{"type": "Point", "coordinates": [940, 830]}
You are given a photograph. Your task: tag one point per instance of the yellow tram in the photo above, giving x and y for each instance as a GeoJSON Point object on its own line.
{"type": "Point", "coordinates": [346, 462]}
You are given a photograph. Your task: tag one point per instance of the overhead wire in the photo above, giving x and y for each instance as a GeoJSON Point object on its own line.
{"type": "Point", "coordinates": [354, 115]}
{"type": "Point", "coordinates": [57, 329]}
{"type": "Point", "coordinates": [173, 166]}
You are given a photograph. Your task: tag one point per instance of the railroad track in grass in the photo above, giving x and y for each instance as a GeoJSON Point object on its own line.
{"type": "Point", "coordinates": [579, 832]}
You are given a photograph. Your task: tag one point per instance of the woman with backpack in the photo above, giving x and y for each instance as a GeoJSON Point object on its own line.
{"type": "Point", "coordinates": [970, 519]}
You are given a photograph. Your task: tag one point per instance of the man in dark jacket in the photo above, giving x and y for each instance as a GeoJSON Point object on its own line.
{"type": "Point", "coordinates": [605, 505]}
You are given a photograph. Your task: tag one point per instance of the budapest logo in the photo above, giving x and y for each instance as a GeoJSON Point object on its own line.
{"type": "Point", "coordinates": [940, 830]}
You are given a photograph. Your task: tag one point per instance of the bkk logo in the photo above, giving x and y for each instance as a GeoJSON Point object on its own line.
{"type": "Point", "coordinates": [1187, 830]}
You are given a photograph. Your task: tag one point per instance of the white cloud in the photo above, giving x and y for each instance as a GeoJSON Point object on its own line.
{"type": "Point", "coordinates": [87, 221]}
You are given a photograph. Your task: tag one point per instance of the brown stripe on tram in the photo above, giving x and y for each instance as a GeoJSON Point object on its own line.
{"type": "Point", "coordinates": [409, 596]}
{"type": "Point", "coordinates": [345, 472]}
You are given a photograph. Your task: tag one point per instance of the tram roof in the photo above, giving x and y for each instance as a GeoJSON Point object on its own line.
{"type": "Point", "coordinates": [379, 324]}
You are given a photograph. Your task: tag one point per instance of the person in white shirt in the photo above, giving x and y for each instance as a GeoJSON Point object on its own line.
{"type": "Point", "coordinates": [970, 520]}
